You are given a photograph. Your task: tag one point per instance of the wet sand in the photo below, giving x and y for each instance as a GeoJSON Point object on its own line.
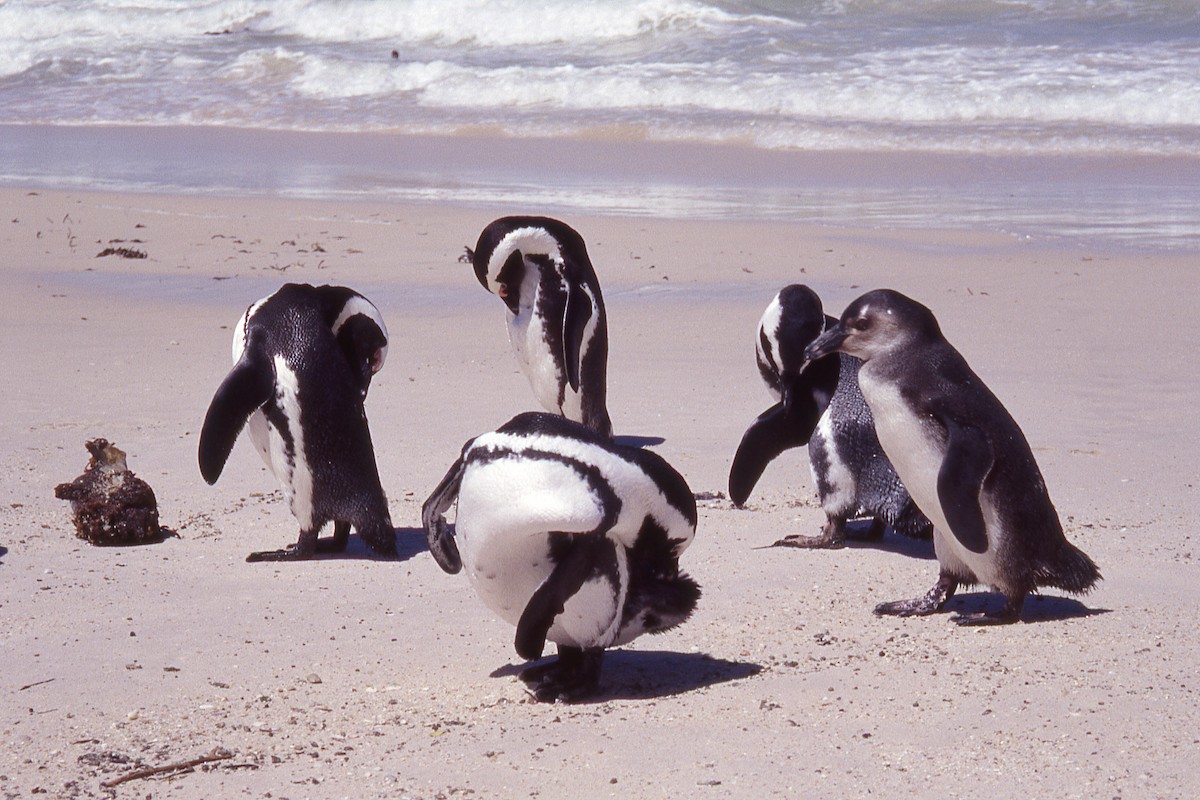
{"type": "Point", "coordinates": [350, 677]}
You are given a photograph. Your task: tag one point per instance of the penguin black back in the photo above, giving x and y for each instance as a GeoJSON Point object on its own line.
{"type": "Point", "coordinates": [305, 356]}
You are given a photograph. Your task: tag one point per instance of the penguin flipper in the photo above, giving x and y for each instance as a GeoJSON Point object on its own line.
{"type": "Point", "coordinates": [439, 535]}
{"type": "Point", "coordinates": [966, 464]}
{"type": "Point", "coordinates": [781, 427]}
{"type": "Point", "coordinates": [576, 314]}
{"type": "Point", "coordinates": [548, 600]}
{"type": "Point", "coordinates": [249, 385]}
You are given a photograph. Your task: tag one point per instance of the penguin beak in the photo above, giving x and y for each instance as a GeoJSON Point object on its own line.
{"type": "Point", "coordinates": [828, 342]}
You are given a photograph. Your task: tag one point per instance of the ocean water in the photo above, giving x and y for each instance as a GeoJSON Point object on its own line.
{"type": "Point", "coordinates": [994, 79]}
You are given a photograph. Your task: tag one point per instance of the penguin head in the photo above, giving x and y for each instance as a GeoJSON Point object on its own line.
{"type": "Point", "coordinates": [365, 347]}
{"type": "Point", "coordinates": [362, 337]}
{"type": "Point", "coordinates": [510, 247]}
{"type": "Point", "coordinates": [877, 323]}
{"type": "Point", "coordinates": [790, 323]}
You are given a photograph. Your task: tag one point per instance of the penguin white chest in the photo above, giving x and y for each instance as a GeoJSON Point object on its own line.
{"type": "Point", "coordinates": [535, 345]}
{"type": "Point", "coordinates": [838, 477]}
{"type": "Point", "coordinates": [912, 444]}
{"type": "Point", "coordinates": [283, 451]}
{"type": "Point", "coordinates": [909, 443]}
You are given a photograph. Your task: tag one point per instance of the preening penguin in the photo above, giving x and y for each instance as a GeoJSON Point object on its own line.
{"type": "Point", "coordinates": [303, 359]}
{"type": "Point", "coordinates": [823, 408]}
{"type": "Point", "coordinates": [569, 537]}
{"type": "Point", "coordinates": [540, 268]}
{"type": "Point", "coordinates": [961, 455]}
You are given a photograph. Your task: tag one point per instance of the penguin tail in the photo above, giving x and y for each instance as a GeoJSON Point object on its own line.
{"type": "Point", "coordinates": [381, 538]}
{"type": "Point", "coordinates": [1073, 571]}
{"type": "Point", "coordinates": [672, 602]}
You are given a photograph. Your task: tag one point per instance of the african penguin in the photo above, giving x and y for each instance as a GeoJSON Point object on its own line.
{"type": "Point", "coordinates": [571, 538]}
{"type": "Point", "coordinates": [961, 455]}
{"type": "Point", "coordinates": [540, 268]}
{"type": "Point", "coordinates": [824, 409]}
{"type": "Point", "coordinates": [303, 361]}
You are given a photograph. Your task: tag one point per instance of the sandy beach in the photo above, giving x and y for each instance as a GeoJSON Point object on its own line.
{"type": "Point", "coordinates": [354, 677]}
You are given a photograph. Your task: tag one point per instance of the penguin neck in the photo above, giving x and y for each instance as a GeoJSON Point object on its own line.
{"type": "Point", "coordinates": [537, 270]}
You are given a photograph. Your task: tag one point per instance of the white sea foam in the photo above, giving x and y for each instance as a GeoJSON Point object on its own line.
{"type": "Point", "coordinates": [1113, 78]}
{"type": "Point", "coordinates": [967, 75]}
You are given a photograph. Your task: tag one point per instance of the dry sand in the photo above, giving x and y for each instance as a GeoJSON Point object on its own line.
{"type": "Point", "coordinates": [350, 677]}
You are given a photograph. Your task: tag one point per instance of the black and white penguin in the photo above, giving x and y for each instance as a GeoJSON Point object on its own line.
{"type": "Point", "coordinates": [540, 268]}
{"type": "Point", "coordinates": [571, 538]}
{"type": "Point", "coordinates": [303, 359]}
{"type": "Point", "coordinates": [823, 408]}
{"type": "Point", "coordinates": [961, 455]}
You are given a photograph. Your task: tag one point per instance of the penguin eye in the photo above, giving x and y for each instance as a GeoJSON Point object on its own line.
{"type": "Point", "coordinates": [861, 323]}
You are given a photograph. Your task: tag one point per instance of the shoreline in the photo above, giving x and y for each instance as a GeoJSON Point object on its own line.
{"type": "Point", "coordinates": [1123, 203]}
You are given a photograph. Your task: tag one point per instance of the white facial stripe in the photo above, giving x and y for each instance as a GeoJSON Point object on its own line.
{"type": "Point", "coordinates": [769, 325]}
{"type": "Point", "coordinates": [359, 305]}
{"type": "Point", "coordinates": [529, 241]}
{"type": "Point", "coordinates": [239, 330]}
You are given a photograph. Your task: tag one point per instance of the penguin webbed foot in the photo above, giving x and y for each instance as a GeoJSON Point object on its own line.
{"type": "Point", "coordinates": [309, 545]}
{"type": "Point", "coordinates": [573, 676]}
{"type": "Point", "coordinates": [931, 602]}
{"type": "Point", "coordinates": [292, 553]}
{"type": "Point", "coordinates": [831, 537]}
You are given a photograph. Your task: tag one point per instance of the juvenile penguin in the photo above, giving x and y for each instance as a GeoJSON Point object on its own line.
{"type": "Point", "coordinates": [823, 408]}
{"type": "Point", "coordinates": [569, 537]}
{"type": "Point", "coordinates": [540, 268]}
{"type": "Point", "coordinates": [961, 455]}
{"type": "Point", "coordinates": [303, 359]}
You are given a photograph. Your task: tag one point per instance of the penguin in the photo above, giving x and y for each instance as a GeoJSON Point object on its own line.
{"type": "Point", "coordinates": [823, 408]}
{"type": "Point", "coordinates": [961, 455]}
{"type": "Point", "coordinates": [571, 538]}
{"type": "Point", "coordinates": [556, 322]}
{"type": "Point", "coordinates": [303, 359]}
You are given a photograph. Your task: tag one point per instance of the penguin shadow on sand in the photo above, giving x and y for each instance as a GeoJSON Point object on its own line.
{"type": "Point", "coordinates": [410, 542]}
{"type": "Point", "coordinates": [654, 674]}
{"type": "Point", "coordinates": [1038, 607]}
{"type": "Point", "coordinates": [632, 440]}
{"type": "Point", "coordinates": [3, 553]}
{"type": "Point", "coordinates": [890, 542]}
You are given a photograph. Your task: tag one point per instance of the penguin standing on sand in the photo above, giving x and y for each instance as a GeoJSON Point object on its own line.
{"type": "Point", "coordinates": [569, 537]}
{"type": "Point", "coordinates": [823, 408]}
{"type": "Point", "coordinates": [961, 455]}
{"type": "Point", "coordinates": [540, 268]}
{"type": "Point", "coordinates": [303, 361]}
